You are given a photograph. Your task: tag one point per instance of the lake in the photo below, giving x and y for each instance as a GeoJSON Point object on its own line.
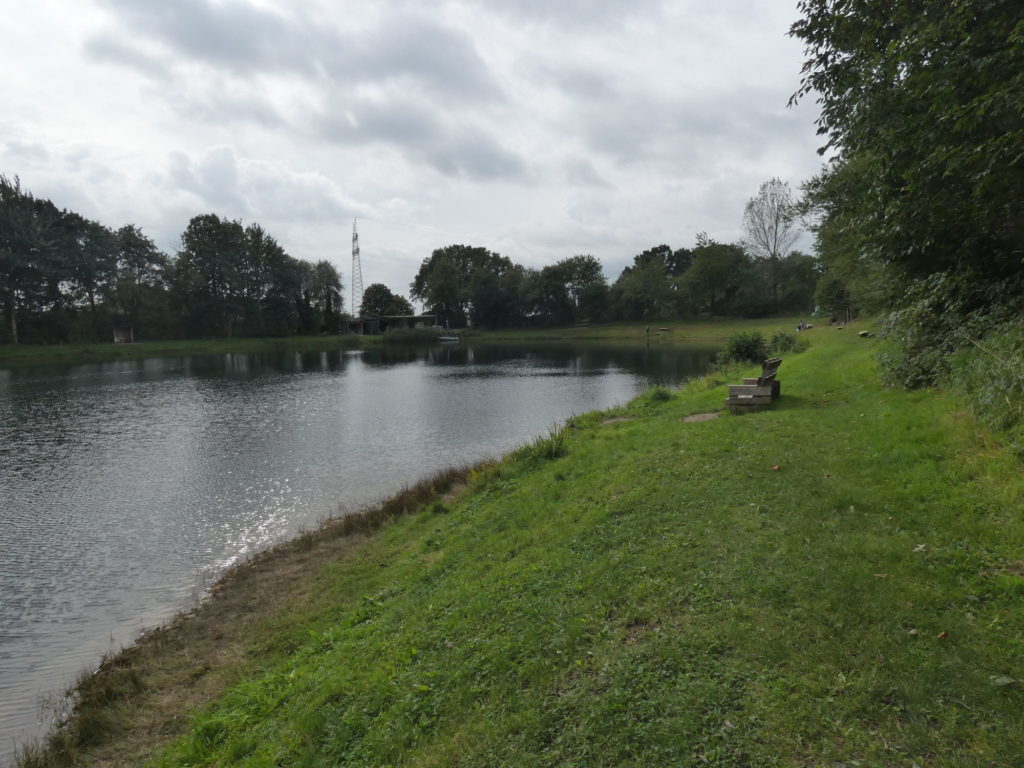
{"type": "Point", "coordinates": [127, 487]}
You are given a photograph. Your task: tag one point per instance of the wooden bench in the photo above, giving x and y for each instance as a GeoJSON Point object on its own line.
{"type": "Point", "coordinates": [754, 394]}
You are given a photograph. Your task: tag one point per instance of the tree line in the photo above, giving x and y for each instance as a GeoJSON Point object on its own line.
{"type": "Point", "coordinates": [65, 278]}
{"type": "Point", "coordinates": [470, 285]}
{"type": "Point", "coordinates": [919, 210]}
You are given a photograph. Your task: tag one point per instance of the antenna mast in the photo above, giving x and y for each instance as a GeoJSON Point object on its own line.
{"type": "Point", "coordinates": [357, 273]}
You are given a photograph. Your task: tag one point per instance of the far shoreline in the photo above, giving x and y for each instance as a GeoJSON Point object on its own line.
{"type": "Point", "coordinates": [661, 333]}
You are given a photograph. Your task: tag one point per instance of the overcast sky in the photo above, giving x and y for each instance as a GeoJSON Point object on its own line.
{"type": "Point", "coordinates": [536, 128]}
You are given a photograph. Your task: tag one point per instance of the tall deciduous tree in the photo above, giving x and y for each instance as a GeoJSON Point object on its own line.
{"type": "Point", "coordinates": [769, 220]}
{"type": "Point", "coordinates": [578, 273]}
{"type": "Point", "coordinates": [443, 279]}
{"type": "Point", "coordinates": [140, 266]}
{"type": "Point", "coordinates": [327, 295]}
{"type": "Point", "coordinates": [23, 235]}
{"type": "Point", "coordinates": [716, 276]}
{"type": "Point", "coordinates": [211, 266]}
{"type": "Point", "coordinates": [378, 300]}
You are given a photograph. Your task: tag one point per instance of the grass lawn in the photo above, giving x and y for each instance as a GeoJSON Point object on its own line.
{"type": "Point", "coordinates": [835, 581]}
{"type": "Point", "coordinates": [673, 332]}
{"type": "Point", "coordinates": [668, 332]}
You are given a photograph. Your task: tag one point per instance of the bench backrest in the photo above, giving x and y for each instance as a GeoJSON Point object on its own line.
{"type": "Point", "coordinates": [768, 370]}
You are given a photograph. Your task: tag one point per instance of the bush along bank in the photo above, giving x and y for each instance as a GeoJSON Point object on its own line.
{"type": "Point", "coordinates": [834, 580]}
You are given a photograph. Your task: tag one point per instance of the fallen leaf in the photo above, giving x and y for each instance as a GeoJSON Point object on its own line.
{"type": "Point", "coordinates": [1003, 681]}
{"type": "Point", "coordinates": [912, 633]}
{"type": "Point", "coordinates": [921, 548]}
{"type": "Point", "coordinates": [777, 467]}
{"type": "Point", "coordinates": [881, 575]}
{"type": "Point", "coordinates": [942, 635]}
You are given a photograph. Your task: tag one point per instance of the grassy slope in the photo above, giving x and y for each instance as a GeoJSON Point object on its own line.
{"type": "Point", "coordinates": [834, 580]}
{"type": "Point", "coordinates": [663, 595]}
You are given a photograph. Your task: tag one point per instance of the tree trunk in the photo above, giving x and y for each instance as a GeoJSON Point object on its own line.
{"type": "Point", "coordinates": [92, 311]}
{"type": "Point", "coordinates": [11, 310]}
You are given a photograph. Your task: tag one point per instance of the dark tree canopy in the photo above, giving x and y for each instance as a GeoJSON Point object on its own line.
{"type": "Point", "coordinates": [378, 300]}
{"type": "Point", "coordinates": [769, 220]}
{"type": "Point", "coordinates": [921, 106]}
{"type": "Point", "coordinates": [443, 280]}
{"type": "Point", "coordinates": [920, 204]}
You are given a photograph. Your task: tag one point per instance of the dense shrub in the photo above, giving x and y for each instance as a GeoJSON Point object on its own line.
{"type": "Point", "coordinates": [937, 316]}
{"type": "Point", "coordinates": [990, 373]}
{"type": "Point", "coordinates": [783, 341]}
{"type": "Point", "coordinates": [659, 394]}
{"type": "Point", "coordinates": [745, 346]}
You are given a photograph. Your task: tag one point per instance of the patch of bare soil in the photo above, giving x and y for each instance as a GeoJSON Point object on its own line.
{"type": "Point", "coordinates": [694, 417]}
{"type": "Point", "coordinates": [618, 420]}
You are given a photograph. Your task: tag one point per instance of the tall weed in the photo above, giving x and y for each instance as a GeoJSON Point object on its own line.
{"type": "Point", "coordinates": [989, 372]}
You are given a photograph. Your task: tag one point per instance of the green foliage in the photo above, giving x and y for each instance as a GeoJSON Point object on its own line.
{"type": "Point", "coordinates": [784, 341]}
{"type": "Point", "coordinates": [921, 106]}
{"type": "Point", "coordinates": [752, 347]}
{"type": "Point", "coordinates": [745, 346]}
{"type": "Point", "coordinates": [718, 273]}
{"type": "Point", "coordinates": [990, 372]}
{"type": "Point", "coordinates": [831, 294]}
{"type": "Point", "coordinates": [936, 317]}
{"type": "Point", "coordinates": [549, 448]}
{"type": "Point", "coordinates": [658, 395]}
{"type": "Point", "coordinates": [378, 300]}
{"type": "Point", "coordinates": [444, 279]}
{"type": "Point", "coordinates": [64, 278]}
{"type": "Point", "coordinates": [644, 293]}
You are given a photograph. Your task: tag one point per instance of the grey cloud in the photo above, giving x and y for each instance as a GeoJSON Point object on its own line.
{"type": "Point", "coordinates": [476, 156]}
{"type": "Point", "coordinates": [213, 179]}
{"type": "Point", "coordinates": [107, 48]}
{"type": "Point", "coordinates": [579, 83]}
{"type": "Point", "coordinates": [245, 40]}
{"type": "Point", "coordinates": [225, 105]}
{"type": "Point", "coordinates": [232, 34]}
{"type": "Point", "coordinates": [253, 189]}
{"type": "Point", "coordinates": [581, 172]}
{"type": "Point", "coordinates": [418, 49]}
{"type": "Point", "coordinates": [574, 13]}
{"type": "Point", "coordinates": [689, 132]}
{"type": "Point", "coordinates": [26, 151]}
{"type": "Point", "coordinates": [453, 147]}
{"type": "Point", "coordinates": [363, 121]}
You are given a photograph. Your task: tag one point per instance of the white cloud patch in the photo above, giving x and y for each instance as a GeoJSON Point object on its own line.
{"type": "Point", "coordinates": [253, 189]}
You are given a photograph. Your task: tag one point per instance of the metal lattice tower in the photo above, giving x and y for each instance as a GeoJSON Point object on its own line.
{"type": "Point", "coordinates": [357, 273]}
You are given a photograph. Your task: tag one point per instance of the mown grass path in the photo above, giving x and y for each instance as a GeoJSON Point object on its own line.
{"type": "Point", "coordinates": [837, 580]}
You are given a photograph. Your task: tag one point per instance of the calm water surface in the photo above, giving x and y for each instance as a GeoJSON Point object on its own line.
{"type": "Point", "coordinates": [127, 487]}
